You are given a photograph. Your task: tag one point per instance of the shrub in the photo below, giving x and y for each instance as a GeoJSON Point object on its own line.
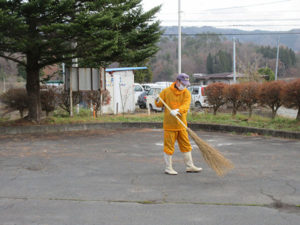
{"type": "Point", "coordinates": [48, 98]}
{"type": "Point", "coordinates": [96, 99]}
{"type": "Point", "coordinates": [232, 94]}
{"type": "Point", "coordinates": [270, 95]}
{"type": "Point", "coordinates": [63, 99]}
{"type": "Point", "coordinates": [291, 96]}
{"type": "Point", "coordinates": [249, 95]}
{"type": "Point", "coordinates": [15, 99]}
{"type": "Point", "coordinates": [215, 96]}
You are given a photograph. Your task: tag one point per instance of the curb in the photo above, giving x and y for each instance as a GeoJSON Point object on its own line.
{"type": "Point", "coordinates": [97, 126]}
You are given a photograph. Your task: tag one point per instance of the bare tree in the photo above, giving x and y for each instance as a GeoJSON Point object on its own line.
{"type": "Point", "coordinates": [98, 98]}
{"type": "Point", "coordinates": [15, 99]}
{"type": "Point", "coordinates": [215, 95]}
{"type": "Point", "coordinates": [270, 95]}
{"type": "Point", "coordinates": [48, 98]}
{"type": "Point", "coordinates": [63, 99]}
{"type": "Point", "coordinates": [291, 96]}
{"type": "Point", "coordinates": [249, 95]}
{"type": "Point", "coordinates": [232, 94]}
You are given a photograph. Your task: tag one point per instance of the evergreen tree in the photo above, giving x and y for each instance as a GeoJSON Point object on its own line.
{"type": "Point", "coordinates": [209, 64]}
{"type": "Point", "coordinates": [143, 76]}
{"type": "Point", "coordinates": [221, 62]}
{"type": "Point", "coordinates": [97, 32]}
{"type": "Point", "coordinates": [286, 56]}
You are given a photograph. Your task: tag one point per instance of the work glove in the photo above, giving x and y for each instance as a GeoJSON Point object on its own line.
{"type": "Point", "coordinates": [175, 112]}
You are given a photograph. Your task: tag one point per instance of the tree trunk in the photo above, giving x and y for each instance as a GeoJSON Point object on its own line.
{"type": "Point", "coordinates": [21, 113]}
{"type": "Point", "coordinates": [215, 111]}
{"type": "Point", "coordinates": [273, 113]}
{"type": "Point", "coordinates": [250, 111]}
{"type": "Point", "coordinates": [234, 110]}
{"type": "Point", "coordinates": [298, 114]}
{"type": "Point", "coordinates": [33, 91]}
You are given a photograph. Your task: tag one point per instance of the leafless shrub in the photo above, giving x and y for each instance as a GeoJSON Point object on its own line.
{"type": "Point", "coordinates": [15, 99]}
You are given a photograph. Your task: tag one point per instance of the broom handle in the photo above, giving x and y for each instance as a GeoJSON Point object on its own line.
{"type": "Point", "coordinates": [165, 104]}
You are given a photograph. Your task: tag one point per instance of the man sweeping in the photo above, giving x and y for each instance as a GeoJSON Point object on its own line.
{"type": "Point", "coordinates": [178, 98]}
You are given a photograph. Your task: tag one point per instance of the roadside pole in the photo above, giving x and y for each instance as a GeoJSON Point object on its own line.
{"type": "Point", "coordinates": [277, 56]}
{"type": "Point", "coordinates": [148, 109]}
{"type": "Point", "coordinates": [179, 36]}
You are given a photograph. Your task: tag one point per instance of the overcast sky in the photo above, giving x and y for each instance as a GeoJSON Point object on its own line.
{"type": "Point", "coordinates": [273, 15]}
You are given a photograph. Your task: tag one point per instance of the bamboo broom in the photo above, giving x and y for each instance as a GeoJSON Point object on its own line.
{"type": "Point", "coordinates": [211, 156]}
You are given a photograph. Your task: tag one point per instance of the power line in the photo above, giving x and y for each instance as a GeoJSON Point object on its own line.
{"type": "Point", "coordinates": [247, 6]}
{"type": "Point", "coordinates": [234, 13]}
{"type": "Point", "coordinates": [231, 20]}
{"type": "Point", "coordinates": [235, 34]}
{"type": "Point", "coordinates": [231, 13]}
{"type": "Point", "coordinates": [259, 25]}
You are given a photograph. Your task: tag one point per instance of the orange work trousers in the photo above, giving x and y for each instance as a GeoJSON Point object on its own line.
{"type": "Point", "coordinates": [182, 138]}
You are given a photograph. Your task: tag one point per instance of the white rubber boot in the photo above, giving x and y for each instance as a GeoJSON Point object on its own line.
{"type": "Point", "coordinates": [169, 169]}
{"type": "Point", "coordinates": [190, 167]}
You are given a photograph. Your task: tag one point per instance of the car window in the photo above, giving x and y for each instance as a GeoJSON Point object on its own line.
{"type": "Point", "coordinates": [156, 90]}
{"type": "Point", "coordinates": [195, 91]}
{"type": "Point", "coordinates": [146, 87]}
{"type": "Point", "coordinates": [150, 92]}
{"type": "Point", "coordinates": [138, 88]}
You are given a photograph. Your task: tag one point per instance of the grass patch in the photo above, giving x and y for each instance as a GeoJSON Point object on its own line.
{"type": "Point", "coordinates": [279, 123]}
{"type": "Point", "coordinates": [2, 120]}
{"type": "Point", "coordinates": [85, 116]}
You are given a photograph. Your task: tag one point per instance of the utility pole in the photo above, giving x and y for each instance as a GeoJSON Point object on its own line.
{"type": "Point", "coordinates": [234, 66]}
{"type": "Point", "coordinates": [63, 72]}
{"type": "Point", "coordinates": [179, 36]}
{"type": "Point", "coordinates": [276, 69]}
{"type": "Point", "coordinates": [3, 77]}
{"type": "Point", "coordinates": [4, 86]}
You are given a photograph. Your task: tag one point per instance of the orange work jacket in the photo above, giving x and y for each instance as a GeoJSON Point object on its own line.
{"type": "Point", "coordinates": [175, 99]}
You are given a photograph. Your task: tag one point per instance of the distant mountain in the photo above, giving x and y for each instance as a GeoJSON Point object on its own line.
{"type": "Point", "coordinates": [289, 38]}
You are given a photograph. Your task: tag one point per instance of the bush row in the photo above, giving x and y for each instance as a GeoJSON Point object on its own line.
{"type": "Point", "coordinates": [272, 94]}
{"type": "Point", "coordinates": [52, 98]}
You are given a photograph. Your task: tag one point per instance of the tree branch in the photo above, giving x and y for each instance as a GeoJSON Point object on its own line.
{"type": "Point", "coordinates": [13, 59]}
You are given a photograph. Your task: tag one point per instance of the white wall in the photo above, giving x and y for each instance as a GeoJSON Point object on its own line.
{"type": "Point", "coordinates": [120, 85]}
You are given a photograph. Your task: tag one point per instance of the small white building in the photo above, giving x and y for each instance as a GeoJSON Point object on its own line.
{"type": "Point", "coordinates": [120, 84]}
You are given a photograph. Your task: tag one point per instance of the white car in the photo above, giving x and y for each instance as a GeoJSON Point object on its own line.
{"type": "Point", "coordinates": [138, 89]}
{"type": "Point", "coordinates": [164, 84]}
{"type": "Point", "coordinates": [151, 96]}
{"type": "Point", "coordinates": [198, 97]}
{"type": "Point", "coordinates": [147, 86]}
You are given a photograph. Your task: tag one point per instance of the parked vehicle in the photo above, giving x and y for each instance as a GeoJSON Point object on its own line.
{"type": "Point", "coordinates": [138, 90]}
{"type": "Point", "coordinates": [147, 86]}
{"type": "Point", "coordinates": [164, 84]}
{"type": "Point", "coordinates": [151, 96]}
{"type": "Point", "coordinates": [142, 100]}
{"type": "Point", "coordinates": [148, 97]}
{"type": "Point", "coordinates": [198, 96]}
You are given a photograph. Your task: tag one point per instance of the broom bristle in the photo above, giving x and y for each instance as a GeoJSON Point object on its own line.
{"type": "Point", "coordinates": [212, 156]}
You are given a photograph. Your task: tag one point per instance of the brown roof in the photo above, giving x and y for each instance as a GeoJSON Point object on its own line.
{"type": "Point", "coordinates": [213, 76]}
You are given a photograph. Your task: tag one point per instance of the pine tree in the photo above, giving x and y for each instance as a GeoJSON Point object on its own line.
{"type": "Point", "coordinates": [209, 64]}
{"type": "Point", "coordinates": [97, 32]}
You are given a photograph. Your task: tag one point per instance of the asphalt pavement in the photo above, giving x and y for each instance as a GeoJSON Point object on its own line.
{"type": "Point", "coordinates": [115, 177]}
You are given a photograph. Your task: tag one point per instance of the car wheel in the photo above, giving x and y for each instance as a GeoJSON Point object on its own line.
{"type": "Point", "coordinates": [151, 107]}
{"type": "Point", "coordinates": [198, 105]}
